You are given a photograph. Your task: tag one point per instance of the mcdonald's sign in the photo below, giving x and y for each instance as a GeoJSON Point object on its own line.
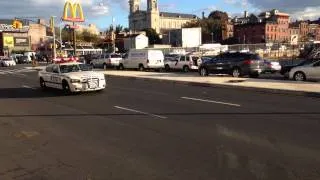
{"type": "Point", "coordinates": [72, 12]}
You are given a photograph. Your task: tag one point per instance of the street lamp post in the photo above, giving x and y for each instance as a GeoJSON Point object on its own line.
{"type": "Point", "coordinates": [74, 39]}
{"type": "Point", "coordinates": [54, 38]}
{"type": "Point", "coordinates": [212, 38]}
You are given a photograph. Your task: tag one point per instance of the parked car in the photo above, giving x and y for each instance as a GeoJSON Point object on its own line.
{"type": "Point", "coordinates": [91, 57]}
{"type": "Point", "coordinates": [107, 60]}
{"type": "Point", "coordinates": [7, 62]}
{"type": "Point", "coordinates": [29, 56]}
{"type": "Point", "coordinates": [271, 66]}
{"type": "Point", "coordinates": [142, 59]}
{"type": "Point", "coordinates": [181, 62]}
{"type": "Point", "coordinates": [15, 57]}
{"type": "Point", "coordinates": [286, 69]}
{"type": "Point", "coordinates": [309, 71]}
{"type": "Point", "coordinates": [23, 60]}
{"type": "Point", "coordinates": [41, 58]}
{"type": "Point", "coordinates": [236, 64]}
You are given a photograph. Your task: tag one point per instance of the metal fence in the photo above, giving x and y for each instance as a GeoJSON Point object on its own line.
{"type": "Point", "coordinates": [274, 51]}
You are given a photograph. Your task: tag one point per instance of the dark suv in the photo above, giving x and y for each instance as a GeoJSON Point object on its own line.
{"type": "Point", "coordinates": [236, 64]}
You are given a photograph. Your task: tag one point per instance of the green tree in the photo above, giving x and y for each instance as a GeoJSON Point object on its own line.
{"type": "Point", "coordinates": [153, 36]}
{"type": "Point", "coordinates": [211, 29]}
{"type": "Point", "coordinates": [218, 15]}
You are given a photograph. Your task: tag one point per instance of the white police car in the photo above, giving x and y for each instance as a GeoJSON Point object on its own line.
{"type": "Point", "coordinates": [71, 77]}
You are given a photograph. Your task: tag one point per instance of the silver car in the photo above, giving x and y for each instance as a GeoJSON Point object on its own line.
{"type": "Point", "coordinates": [306, 72]}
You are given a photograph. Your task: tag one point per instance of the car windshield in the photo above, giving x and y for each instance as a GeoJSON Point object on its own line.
{"type": "Point", "coordinates": [74, 68]}
{"type": "Point", "coordinates": [171, 57]}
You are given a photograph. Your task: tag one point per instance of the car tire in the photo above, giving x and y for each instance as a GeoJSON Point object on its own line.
{"type": "Point", "coordinates": [65, 87]}
{"type": "Point", "coordinates": [167, 67]}
{"type": "Point", "coordinates": [236, 72]}
{"type": "Point", "coordinates": [203, 72]}
{"type": "Point", "coordinates": [91, 64]}
{"type": "Point", "coordinates": [185, 69]}
{"type": "Point", "coordinates": [42, 84]}
{"type": "Point", "coordinates": [121, 67]}
{"type": "Point", "coordinates": [299, 76]}
{"type": "Point", "coordinates": [105, 66]}
{"type": "Point", "coordinates": [141, 67]}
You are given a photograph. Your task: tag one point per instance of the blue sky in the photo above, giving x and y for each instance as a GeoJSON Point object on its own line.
{"type": "Point", "coordinates": [100, 12]}
{"type": "Point", "coordinates": [121, 14]}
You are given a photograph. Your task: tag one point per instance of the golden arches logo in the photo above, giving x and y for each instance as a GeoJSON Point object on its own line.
{"type": "Point", "coordinates": [73, 12]}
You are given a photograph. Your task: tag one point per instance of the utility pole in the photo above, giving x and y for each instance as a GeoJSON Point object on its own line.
{"type": "Point", "coordinates": [60, 34]}
{"type": "Point", "coordinates": [74, 39]}
{"type": "Point", "coordinates": [54, 37]}
{"type": "Point", "coordinates": [212, 38]}
{"type": "Point", "coordinates": [113, 36]}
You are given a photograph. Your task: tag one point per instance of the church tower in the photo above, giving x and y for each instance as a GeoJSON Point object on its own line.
{"type": "Point", "coordinates": [153, 15]}
{"type": "Point", "coordinates": [134, 6]}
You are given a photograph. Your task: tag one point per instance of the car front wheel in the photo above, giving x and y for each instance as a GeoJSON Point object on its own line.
{"type": "Point", "coordinates": [42, 84]}
{"type": "Point", "coordinates": [203, 72]}
{"type": "Point", "coordinates": [65, 87]}
{"type": "Point", "coordinates": [299, 76]}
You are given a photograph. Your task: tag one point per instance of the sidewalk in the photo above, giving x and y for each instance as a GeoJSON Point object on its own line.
{"type": "Point", "coordinates": [276, 86]}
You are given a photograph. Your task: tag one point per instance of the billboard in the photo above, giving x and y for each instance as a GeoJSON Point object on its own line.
{"type": "Point", "coordinates": [21, 41]}
{"type": "Point", "coordinates": [72, 12]}
{"type": "Point", "coordinates": [8, 41]}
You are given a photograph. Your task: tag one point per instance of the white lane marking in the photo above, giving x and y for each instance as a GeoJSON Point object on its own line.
{"type": "Point", "coordinates": [140, 112]}
{"type": "Point", "coordinates": [210, 101]}
{"type": "Point", "coordinates": [28, 87]}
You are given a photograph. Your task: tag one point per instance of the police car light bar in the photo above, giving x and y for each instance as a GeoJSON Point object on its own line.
{"type": "Point", "coordinates": [65, 60]}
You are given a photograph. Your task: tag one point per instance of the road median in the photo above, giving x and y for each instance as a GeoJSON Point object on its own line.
{"type": "Point", "coordinates": [311, 89]}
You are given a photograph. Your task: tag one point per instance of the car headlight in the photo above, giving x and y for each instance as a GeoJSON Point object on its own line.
{"type": "Point", "coordinates": [75, 81]}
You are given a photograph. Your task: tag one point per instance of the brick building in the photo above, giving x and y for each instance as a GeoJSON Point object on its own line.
{"type": "Point", "coordinates": [308, 30]}
{"type": "Point", "coordinates": [270, 26]}
{"type": "Point", "coordinates": [37, 33]}
{"type": "Point", "coordinates": [227, 30]}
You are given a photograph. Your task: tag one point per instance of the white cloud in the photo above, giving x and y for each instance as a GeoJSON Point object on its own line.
{"type": "Point", "coordinates": [307, 13]}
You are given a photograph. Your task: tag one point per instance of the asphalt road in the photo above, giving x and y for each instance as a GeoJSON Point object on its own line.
{"type": "Point", "coordinates": [145, 130]}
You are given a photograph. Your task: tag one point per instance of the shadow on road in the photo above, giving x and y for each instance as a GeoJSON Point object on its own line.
{"type": "Point", "coordinates": [11, 93]}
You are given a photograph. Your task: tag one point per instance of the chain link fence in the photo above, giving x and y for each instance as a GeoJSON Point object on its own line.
{"type": "Point", "coordinates": [272, 51]}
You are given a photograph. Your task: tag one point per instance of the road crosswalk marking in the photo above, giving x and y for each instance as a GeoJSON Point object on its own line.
{"type": "Point", "coordinates": [15, 71]}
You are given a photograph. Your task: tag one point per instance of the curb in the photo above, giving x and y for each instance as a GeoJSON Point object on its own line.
{"type": "Point", "coordinates": [256, 89]}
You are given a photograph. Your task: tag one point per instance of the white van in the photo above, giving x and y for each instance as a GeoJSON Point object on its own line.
{"type": "Point", "coordinates": [29, 54]}
{"type": "Point", "coordinates": [142, 59]}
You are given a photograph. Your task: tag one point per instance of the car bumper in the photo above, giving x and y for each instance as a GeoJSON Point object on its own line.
{"type": "Point", "coordinates": [8, 65]}
{"type": "Point", "coordinates": [155, 66]}
{"type": "Point", "coordinates": [194, 67]}
{"type": "Point", "coordinates": [85, 87]}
